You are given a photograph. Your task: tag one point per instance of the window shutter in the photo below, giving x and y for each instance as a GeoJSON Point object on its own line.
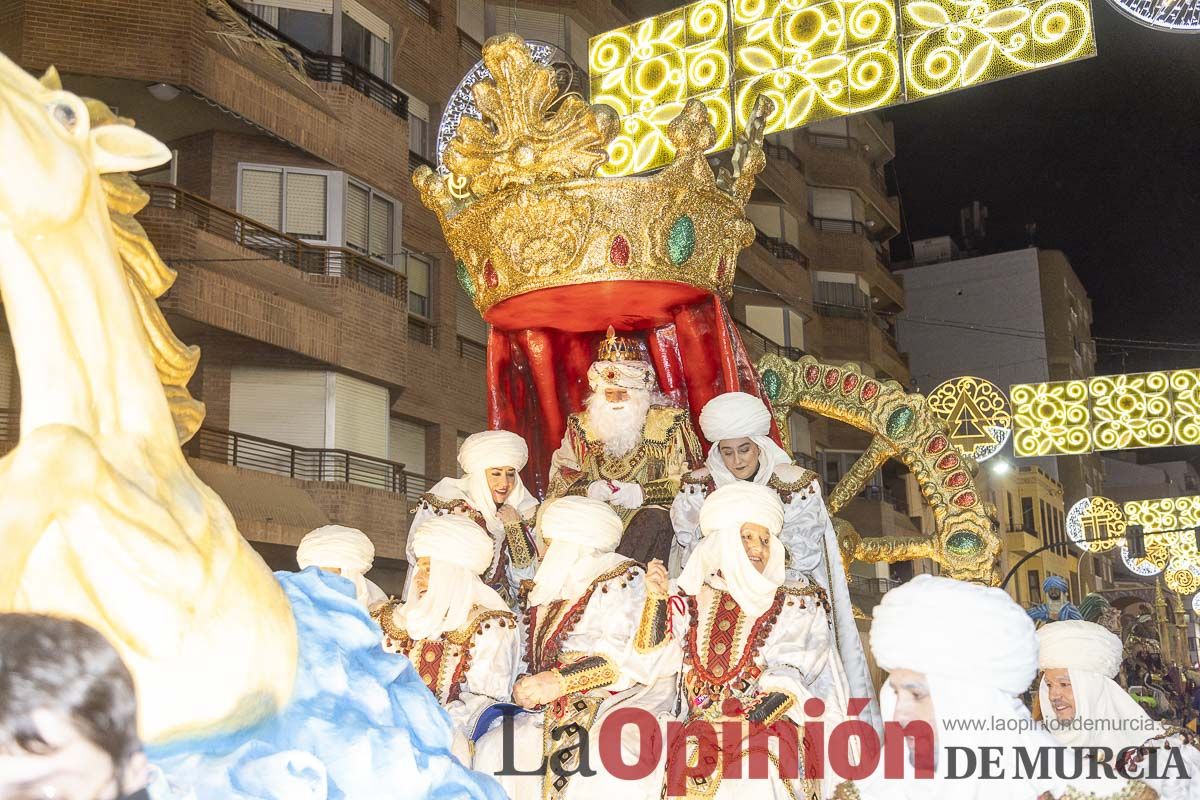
{"type": "Point", "coordinates": [362, 413]}
{"type": "Point", "coordinates": [767, 320]}
{"type": "Point", "coordinates": [417, 269]}
{"type": "Point", "coordinates": [470, 324]}
{"type": "Point", "coordinates": [357, 202]}
{"type": "Point", "coordinates": [368, 19]}
{"type": "Point", "coordinates": [316, 6]}
{"type": "Point", "coordinates": [471, 19]}
{"type": "Point", "coordinates": [305, 214]}
{"type": "Point", "coordinates": [406, 445]}
{"type": "Point", "coordinates": [284, 405]}
{"type": "Point", "coordinates": [541, 26]}
{"type": "Point", "coordinates": [260, 200]}
{"type": "Point", "coordinates": [383, 219]}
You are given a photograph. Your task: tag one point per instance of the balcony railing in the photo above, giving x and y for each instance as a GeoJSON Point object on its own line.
{"type": "Point", "coordinates": [805, 460]}
{"type": "Point", "coordinates": [875, 585]}
{"type": "Point", "coordinates": [833, 141]}
{"type": "Point", "coordinates": [326, 68]}
{"type": "Point", "coordinates": [302, 463]}
{"type": "Point", "coordinates": [836, 225]}
{"type": "Point", "coordinates": [759, 345]}
{"type": "Point", "coordinates": [333, 262]}
{"type": "Point", "coordinates": [784, 154]}
{"type": "Point", "coordinates": [781, 249]}
{"type": "Point", "coordinates": [878, 181]}
{"type": "Point", "coordinates": [421, 331]}
{"type": "Point", "coordinates": [416, 485]}
{"type": "Point", "coordinates": [472, 350]}
{"type": "Point", "coordinates": [415, 160]}
{"type": "Point", "coordinates": [827, 309]}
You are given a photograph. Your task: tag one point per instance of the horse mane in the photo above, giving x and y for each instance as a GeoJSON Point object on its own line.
{"type": "Point", "coordinates": [148, 278]}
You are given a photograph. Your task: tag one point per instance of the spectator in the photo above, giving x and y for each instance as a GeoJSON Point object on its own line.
{"type": "Point", "coordinates": [68, 714]}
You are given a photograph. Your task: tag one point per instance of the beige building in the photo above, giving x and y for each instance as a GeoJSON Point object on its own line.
{"type": "Point", "coordinates": [342, 363]}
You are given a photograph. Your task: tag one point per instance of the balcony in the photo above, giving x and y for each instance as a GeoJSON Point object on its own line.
{"type": "Point", "coordinates": [846, 248]}
{"type": "Point", "coordinates": [878, 137]}
{"type": "Point", "coordinates": [854, 333]}
{"type": "Point", "coordinates": [758, 345]}
{"type": "Point", "coordinates": [781, 249]}
{"type": "Point", "coordinates": [1021, 540]}
{"type": "Point", "coordinates": [309, 259]}
{"type": "Point", "coordinates": [326, 68]}
{"type": "Point", "coordinates": [840, 162]}
{"type": "Point", "coordinates": [301, 463]}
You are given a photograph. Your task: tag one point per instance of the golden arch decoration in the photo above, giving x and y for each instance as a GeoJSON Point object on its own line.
{"type": "Point", "coordinates": [903, 427]}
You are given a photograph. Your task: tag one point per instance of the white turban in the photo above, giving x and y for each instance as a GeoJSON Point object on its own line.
{"type": "Point", "coordinates": [1107, 715]}
{"type": "Point", "coordinates": [492, 449]}
{"type": "Point", "coordinates": [347, 549]}
{"type": "Point", "coordinates": [583, 533]}
{"type": "Point", "coordinates": [459, 551]}
{"type": "Point", "coordinates": [978, 651]}
{"type": "Point", "coordinates": [630, 375]}
{"type": "Point", "coordinates": [722, 516]}
{"type": "Point", "coordinates": [737, 415]}
{"type": "Point", "coordinates": [1075, 644]}
{"type": "Point", "coordinates": [940, 626]}
{"type": "Point", "coordinates": [479, 453]}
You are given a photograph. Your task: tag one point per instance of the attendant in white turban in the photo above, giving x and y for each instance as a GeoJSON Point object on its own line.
{"type": "Point", "coordinates": [755, 647]}
{"type": "Point", "coordinates": [457, 631]}
{"type": "Point", "coordinates": [959, 656]}
{"type": "Point", "coordinates": [343, 551]}
{"type": "Point", "coordinates": [1084, 707]}
{"type": "Point", "coordinates": [491, 494]}
{"type": "Point", "coordinates": [580, 663]}
{"type": "Point", "coordinates": [739, 427]}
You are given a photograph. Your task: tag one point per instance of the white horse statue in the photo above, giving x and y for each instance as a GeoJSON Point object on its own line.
{"type": "Point", "coordinates": [101, 518]}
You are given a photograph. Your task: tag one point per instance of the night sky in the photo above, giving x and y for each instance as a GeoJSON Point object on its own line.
{"type": "Point", "coordinates": [1103, 155]}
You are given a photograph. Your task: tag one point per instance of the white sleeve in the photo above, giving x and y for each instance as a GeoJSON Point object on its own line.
{"type": "Point", "coordinates": [563, 457]}
{"type": "Point", "coordinates": [801, 658]}
{"type": "Point", "coordinates": [489, 679]}
{"type": "Point", "coordinates": [803, 536]}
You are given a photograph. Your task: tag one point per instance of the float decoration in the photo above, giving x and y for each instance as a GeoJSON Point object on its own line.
{"type": "Point", "coordinates": [552, 255]}
{"type": "Point", "coordinates": [905, 428]}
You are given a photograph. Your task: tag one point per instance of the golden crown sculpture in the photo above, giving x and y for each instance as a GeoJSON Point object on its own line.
{"type": "Point", "coordinates": [617, 348]}
{"type": "Point", "coordinates": [523, 210]}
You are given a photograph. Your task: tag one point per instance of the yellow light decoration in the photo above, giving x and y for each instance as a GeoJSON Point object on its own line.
{"type": "Point", "coordinates": [1051, 418]}
{"type": "Point", "coordinates": [1096, 524]}
{"type": "Point", "coordinates": [953, 44]}
{"type": "Point", "coordinates": [816, 60]}
{"type": "Point", "coordinates": [647, 71]}
{"type": "Point", "coordinates": [1109, 412]}
{"type": "Point", "coordinates": [1173, 551]}
{"type": "Point", "coordinates": [977, 414]}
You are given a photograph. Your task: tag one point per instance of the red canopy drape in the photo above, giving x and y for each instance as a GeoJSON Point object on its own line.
{"type": "Point", "coordinates": [537, 376]}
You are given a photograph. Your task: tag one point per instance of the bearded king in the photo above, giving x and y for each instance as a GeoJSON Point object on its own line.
{"type": "Point", "coordinates": [629, 448]}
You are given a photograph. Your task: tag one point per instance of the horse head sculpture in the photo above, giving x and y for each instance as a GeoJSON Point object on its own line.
{"type": "Point", "coordinates": [101, 518]}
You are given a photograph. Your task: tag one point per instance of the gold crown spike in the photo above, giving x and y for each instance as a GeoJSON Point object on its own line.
{"type": "Point", "coordinates": [618, 348]}
{"type": "Point", "coordinates": [523, 210]}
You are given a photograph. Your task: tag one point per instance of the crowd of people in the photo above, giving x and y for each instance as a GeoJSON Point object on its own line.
{"type": "Point", "coordinates": [662, 585]}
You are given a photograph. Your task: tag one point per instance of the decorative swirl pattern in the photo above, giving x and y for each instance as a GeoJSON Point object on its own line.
{"type": "Point", "coordinates": [647, 71]}
{"type": "Point", "coordinates": [1051, 418]}
{"type": "Point", "coordinates": [815, 59]}
{"type": "Point", "coordinates": [1110, 412]}
{"type": "Point", "coordinates": [977, 414]}
{"type": "Point", "coordinates": [951, 45]}
{"type": "Point", "coordinates": [1174, 551]}
{"type": "Point", "coordinates": [1096, 524]}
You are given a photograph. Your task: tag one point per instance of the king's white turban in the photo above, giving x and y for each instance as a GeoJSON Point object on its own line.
{"type": "Point", "coordinates": [491, 450]}
{"type": "Point", "coordinates": [630, 375]}
{"type": "Point", "coordinates": [347, 549]}
{"type": "Point", "coordinates": [737, 415]}
{"type": "Point", "coordinates": [722, 516]}
{"type": "Point", "coordinates": [583, 533]}
{"type": "Point", "coordinates": [951, 628]}
{"type": "Point", "coordinates": [459, 551]}
{"type": "Point", "coordinates": [1075, 644]}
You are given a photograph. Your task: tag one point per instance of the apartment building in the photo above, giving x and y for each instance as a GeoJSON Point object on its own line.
{"type": "Point", "coordinates": [342, 363]}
